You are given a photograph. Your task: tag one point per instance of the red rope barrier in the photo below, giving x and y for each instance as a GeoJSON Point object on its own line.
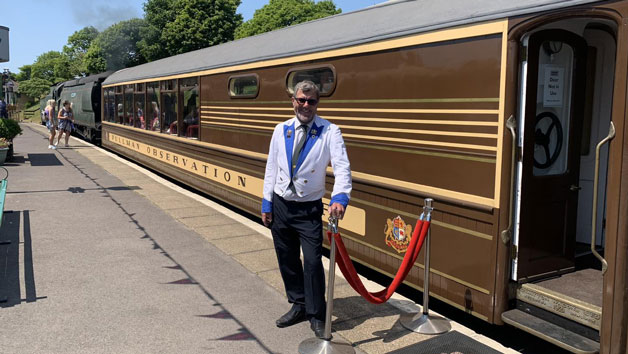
{"type": "Point", "coordinates": [346, 265]}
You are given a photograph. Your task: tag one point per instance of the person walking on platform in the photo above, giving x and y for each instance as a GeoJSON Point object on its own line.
{"type": "Point", "coordinates": [300, 150]}
{"type": "Point", "coordinates": [66, 122]}
{"type": "Point", "coordinates": [49, 114]}
{"type": "Point", "coordinates": [3, 109]}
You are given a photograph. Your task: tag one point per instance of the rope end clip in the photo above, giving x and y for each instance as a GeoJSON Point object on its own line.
{"type": "Point", "coordinates": [332, 226]}
{"type": "Point", "coordinates": [427, 209]}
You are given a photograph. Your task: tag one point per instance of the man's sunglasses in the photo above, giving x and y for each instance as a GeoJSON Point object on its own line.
{"type": "Point", "coordinates": [310, 101]}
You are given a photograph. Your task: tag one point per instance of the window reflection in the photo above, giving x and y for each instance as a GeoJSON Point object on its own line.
{"type": "Point", "coordinates": [153, 113]}
{"type": "Point", "coordinates": [243, 86]}
{"type": "Point", "coordinates": [323, 77]}
{"type": "Point", "coordinates": [119, 105]}
{"type": "Point", "coordinates": [169, 107]}
{"type": "Point", "coordinates": [138, 113]}
{"type": "Point", "coordinates": [189, 92]}
{"type": "Point", "coordinates": [128, 105]}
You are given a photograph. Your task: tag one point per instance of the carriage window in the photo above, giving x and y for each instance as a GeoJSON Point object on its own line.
{"type": "Point", "coordinates": [188, 89]}
{"type": "Point", "coordinates": [119, 104]}
{"type": "Point", "coordinates": [128, 105]}
{"type": "Point", "coordinates": [169, 107]}
{"type": "Point", "coordinates": [111, 105]}
{"type": "Point", "coordinates": [243, 86]}
{"type": "Point", "coordinates": [105, 106]}
{"type": "Point", "coordinates": [152, 109]}
{"type": "Point", "coordinates": [138, 113]}
{"type": "Point", "coordinates": [323, 77]}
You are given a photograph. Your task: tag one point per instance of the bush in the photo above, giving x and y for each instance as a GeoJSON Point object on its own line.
{"type": "Point", "coordinates": [9, 129]}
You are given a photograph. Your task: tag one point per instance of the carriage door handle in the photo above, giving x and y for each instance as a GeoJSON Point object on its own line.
{"type": "Point", "coordinates": [574, 188]}
{"type": "Point", "coordinates": [596, 180]}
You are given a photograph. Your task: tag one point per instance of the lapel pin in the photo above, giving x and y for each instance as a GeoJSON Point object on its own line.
{"type": "Point", "coordinates": [289, 134]}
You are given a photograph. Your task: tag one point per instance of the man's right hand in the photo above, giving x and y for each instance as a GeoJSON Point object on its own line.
{"type": "Point", "coordinates": [267, 219]}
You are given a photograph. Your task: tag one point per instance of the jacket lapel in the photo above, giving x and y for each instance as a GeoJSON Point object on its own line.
{"type": "Point", "coordinates": [288, 135]}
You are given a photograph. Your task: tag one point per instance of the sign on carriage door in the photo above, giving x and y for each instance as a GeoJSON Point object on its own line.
{"type": "Point", "coordinates": [548, 173]}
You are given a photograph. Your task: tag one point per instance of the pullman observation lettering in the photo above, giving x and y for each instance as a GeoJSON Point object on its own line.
{"type": "Point", "coordinates": [207, 170]}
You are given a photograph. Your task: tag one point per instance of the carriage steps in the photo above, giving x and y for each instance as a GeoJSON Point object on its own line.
{"type": "Point", "coordinates": [568, 322]}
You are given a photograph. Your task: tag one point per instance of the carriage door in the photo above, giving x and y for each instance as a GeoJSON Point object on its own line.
{"type": "Point", "coordinates": [551, 159]}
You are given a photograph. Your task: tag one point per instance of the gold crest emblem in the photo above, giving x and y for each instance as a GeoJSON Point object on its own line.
{"type": "Point", "coordinates": [289, 133]}
{"type": "Point", "coordinates": [398, 234]}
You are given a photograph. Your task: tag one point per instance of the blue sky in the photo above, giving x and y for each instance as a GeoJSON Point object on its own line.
{"type": "Point", "coordinates": [39, 26]}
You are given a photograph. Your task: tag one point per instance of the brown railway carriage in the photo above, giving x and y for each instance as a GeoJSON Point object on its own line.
{"type": "Point", "coordinates": [497, 116]}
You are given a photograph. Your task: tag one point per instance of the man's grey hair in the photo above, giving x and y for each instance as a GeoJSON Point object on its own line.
{"type": "Point", "coordinates": [306, 87]}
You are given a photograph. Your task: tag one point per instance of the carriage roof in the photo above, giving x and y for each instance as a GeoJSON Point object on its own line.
{"type": "Point", "coordinates": [387, 20]}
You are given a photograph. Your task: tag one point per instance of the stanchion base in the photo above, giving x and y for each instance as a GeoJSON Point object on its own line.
{"type": "Point", "coordinates": [425, 324]}
{"type": "Point", "coordinates": [322, 346]}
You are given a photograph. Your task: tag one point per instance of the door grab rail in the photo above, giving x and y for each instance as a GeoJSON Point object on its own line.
{"type": "Point", "coordinates": [511, 124]}
{"type": "Point", "coordinates": [611, 135]}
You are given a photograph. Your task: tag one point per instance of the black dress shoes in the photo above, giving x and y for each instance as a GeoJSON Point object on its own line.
{"type": "Point", "coordinates": [294, 316]}
{"type": "Point", "coordinates": [318, 327]}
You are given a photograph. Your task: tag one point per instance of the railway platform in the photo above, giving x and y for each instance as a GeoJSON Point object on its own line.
{"type": "Point", "coordinates": [103, 256]}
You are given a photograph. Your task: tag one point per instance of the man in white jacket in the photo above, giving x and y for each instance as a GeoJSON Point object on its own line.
{"type": "Point", "coordinates": [300, 151]}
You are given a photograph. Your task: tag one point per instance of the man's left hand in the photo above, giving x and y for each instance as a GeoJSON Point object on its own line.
{"type": "Point", "coordinates": [337, 210]}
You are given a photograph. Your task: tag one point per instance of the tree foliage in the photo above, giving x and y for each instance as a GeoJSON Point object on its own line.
{"type": "Point", "coordinates": [76, 49]}
{"type": "Point", "coordinates": [200, 24]}
{"type": "Point", "coordinates": [51, 66]}
{"type": "Point", "coordinates": [179, 26]}
{"type": "Point", "coordinates": [25, 73]}
{"type": "Point", "coordinates": [157, 13]}
{"type": "Point", "coordinates": [34, 88]}
{"type": "Point", "coordinates": [116, 46]}
{"type": "Point", "coordinates": [94, 59]}
{"type": "Point", "coordinates": [283, 13]}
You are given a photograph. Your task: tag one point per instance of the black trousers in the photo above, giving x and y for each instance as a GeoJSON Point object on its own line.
{"type": "Point", "coordinates": [298, 225]}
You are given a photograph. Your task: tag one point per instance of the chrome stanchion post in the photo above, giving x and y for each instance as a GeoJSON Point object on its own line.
{"type": "Point", "coordinates": [424, 323]}
{"type": "Point", "coordinates": [328, 345]}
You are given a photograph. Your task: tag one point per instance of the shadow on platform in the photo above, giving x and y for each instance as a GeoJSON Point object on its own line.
{"type": "Point", "coordinates": [49, 159]}
{"type": "Point", "coordinates": [10, 292]}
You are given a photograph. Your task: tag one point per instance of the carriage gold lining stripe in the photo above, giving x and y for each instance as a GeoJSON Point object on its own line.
{"type": "Point", "coordinates": [385, 148]}
{"type": "Point", "coordinates": [374, 100]}
{"type": "Point", "coordinates": [435, 222]}
{"type": "Point", "coordinates": [378, 129]}
{"type": "Point", "coordinates": [366, 110]}
{"type": "Point", "coordinates": [205, 113]}
{"type": "Point", "coordinates": [377, 138]}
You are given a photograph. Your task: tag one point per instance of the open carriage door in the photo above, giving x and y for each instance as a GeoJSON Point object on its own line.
{"type": "Point", "coordinates": [549, 168]}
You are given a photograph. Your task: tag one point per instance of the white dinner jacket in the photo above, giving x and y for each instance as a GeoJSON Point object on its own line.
{"type": "Point", "coordinates": [324, 144]}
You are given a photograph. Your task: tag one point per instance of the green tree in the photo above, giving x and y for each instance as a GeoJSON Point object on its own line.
{"type": "Point", "coordinates": [34, 88]}
{"type": "Point", "coordinates": [77, 47]}
{"type": "Point", "coordinates": [157, 14]}
{"type": "Point", "coordinates": [24, 74]}
{"type": "Point", "coordinates": [51, 66]}
{"type": "Point", "coordinates": [94, 59]}
{"type": "Point", "coordinates": [179, 26]}
{"type": "Point", "coordinates": [117, 46]}
{"type": "Point", "coordinates": [201, 24]}
{"type": "Point", "coordinates": [283, 13]}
